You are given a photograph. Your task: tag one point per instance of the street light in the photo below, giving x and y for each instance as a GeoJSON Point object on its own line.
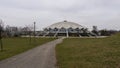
{"type": "Point", "coordinates": [34, 31]}
{"type": "Point", "coordinates": [34, 28]}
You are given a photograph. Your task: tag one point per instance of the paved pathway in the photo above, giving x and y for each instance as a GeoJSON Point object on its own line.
{"type": "Point", "coordinates": [39, 57]}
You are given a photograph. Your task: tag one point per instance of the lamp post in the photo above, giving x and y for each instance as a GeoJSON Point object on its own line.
{"type": "Point", "coordinates": [34, 28]}
{"type": "Point", "coordinates": [34, 31]}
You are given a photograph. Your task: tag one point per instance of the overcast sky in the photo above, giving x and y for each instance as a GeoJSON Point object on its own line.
{"type": "Point", "coordinates": [102, 13]}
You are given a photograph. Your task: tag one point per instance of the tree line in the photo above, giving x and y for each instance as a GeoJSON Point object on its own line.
{"type": "Point", "coordinates": [28, 30]}
{"type": "Point", "coordinates": [14, 31]}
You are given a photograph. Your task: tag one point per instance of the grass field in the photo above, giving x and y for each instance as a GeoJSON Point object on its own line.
{"type": "Point", "coordinates": [89, 53]}
{"type": "Point", "coordinates": [13, 46]}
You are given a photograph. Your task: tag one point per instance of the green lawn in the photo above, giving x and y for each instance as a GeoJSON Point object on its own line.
{"type": "Point", "coordinates": [13, 46]}
{"type": "Point", "coordinates": [89, 53]}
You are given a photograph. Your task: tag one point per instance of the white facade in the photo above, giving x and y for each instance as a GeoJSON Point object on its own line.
{"type": "Point", "coordinates": [66, 25]}
{"type": "Point", "coordinates": [67, 29]}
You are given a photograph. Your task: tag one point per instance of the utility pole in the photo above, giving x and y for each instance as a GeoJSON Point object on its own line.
{"type": "Point", "coordinates": [34, 28]}
{"type": "Point", "coordinates": [1, 38]}
{"type": "Point", "coordinates": [34, 31]}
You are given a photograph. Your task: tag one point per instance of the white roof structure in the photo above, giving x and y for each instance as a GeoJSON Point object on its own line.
{"type": "Point", "coordinates": [66, 25]}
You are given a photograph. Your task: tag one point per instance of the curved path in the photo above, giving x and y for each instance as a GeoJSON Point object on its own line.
{"type": "Point", "coordinates": [40, 57]}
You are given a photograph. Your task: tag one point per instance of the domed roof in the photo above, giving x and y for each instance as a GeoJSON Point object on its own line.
{"type": "Point", "coordinates": [65, 24]}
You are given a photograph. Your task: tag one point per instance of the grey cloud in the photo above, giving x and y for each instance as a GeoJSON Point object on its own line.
{"type": "Point", "coordinates": [46, 12]}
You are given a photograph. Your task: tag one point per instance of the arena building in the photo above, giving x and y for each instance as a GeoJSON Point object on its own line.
{"type": "Point", "coordinates": [67, 29]}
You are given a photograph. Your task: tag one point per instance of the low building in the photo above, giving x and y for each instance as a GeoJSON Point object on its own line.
{"type": "Point", "coordinates": [67, 29]}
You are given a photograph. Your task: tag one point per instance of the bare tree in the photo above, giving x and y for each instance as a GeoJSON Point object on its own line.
{"type": "Point", "coordinates": [12, 31]}
{"type": "Point", "coordinates": [7, 29]}
{"type": "Point", "coordinates": [1, 32]}
{"type": "Point", "coordinates": [29, 30]}
{"type": "Point", "coordinates": [95, 30]}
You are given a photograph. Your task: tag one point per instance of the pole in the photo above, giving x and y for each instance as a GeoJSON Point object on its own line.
{"type": "Point", "coordinates": [34, 31]}
{"type": "Point", "coordinates": [34, 28]}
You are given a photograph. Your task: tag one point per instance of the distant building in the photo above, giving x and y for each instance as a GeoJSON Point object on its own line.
{"type": "Point", "coordinates": [12, 31]}
{"type": "Point", "coordinates": [67, 29]}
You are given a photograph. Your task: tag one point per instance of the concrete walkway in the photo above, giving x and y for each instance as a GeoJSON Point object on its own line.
{"type": "Point", "coordinates": [39, 57]}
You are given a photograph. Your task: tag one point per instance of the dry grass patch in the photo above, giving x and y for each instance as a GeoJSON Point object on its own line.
{"type": "Point", "coordinates": [89, 53]}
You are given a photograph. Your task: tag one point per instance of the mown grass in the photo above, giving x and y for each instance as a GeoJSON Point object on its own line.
{"type": "Point", "coordinates": [13, 46]}
{"type": "Point", "coordinates": [89, 52]}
